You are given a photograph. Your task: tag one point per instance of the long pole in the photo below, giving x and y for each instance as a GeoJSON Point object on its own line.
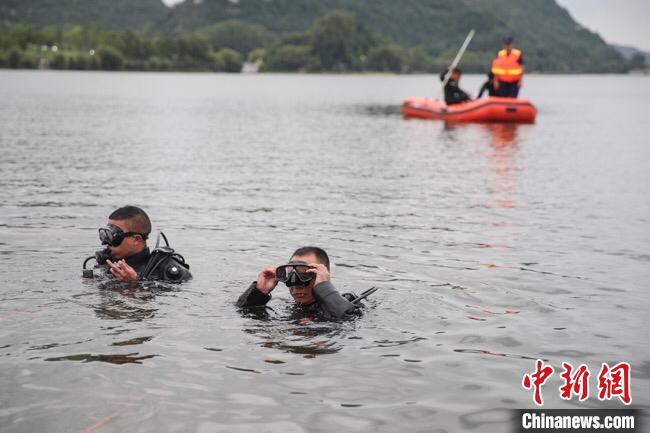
{"type": "Point", "coordinates": [459, 55]}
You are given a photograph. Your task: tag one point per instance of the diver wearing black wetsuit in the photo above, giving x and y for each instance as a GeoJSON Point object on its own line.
{"type": "Point", "coordinates": [162, 265]}
{"type": "Point", "coordinates": [308, 279]}
{"type": "Point", "coordinates": [127, 257]}
{"type": "Point", "coordinates": [328, 302]}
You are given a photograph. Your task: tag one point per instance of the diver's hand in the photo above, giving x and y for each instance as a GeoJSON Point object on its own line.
{"type": "Point", "coordinates": [266, 280]}
{"type": "Point", "coordinates": [322, 274]}
{"type": "Point", "coordinates": [123, 272]}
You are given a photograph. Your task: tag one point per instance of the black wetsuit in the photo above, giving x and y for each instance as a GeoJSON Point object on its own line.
{"type": "Point", "coordinates": [161, 265]}
{"type": "Point", "coordinates": [489, 87]}
{"type": "Point", "coordinates": [329, 303]}
{"type": "Point", "coordinates": [453, 93]}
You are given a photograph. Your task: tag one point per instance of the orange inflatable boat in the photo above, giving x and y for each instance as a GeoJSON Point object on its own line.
{"type": "Point", "coordinates": [490, 109]}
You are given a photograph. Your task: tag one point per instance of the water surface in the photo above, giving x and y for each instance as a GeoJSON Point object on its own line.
{"type": "Point", "coordinates": [493, 245]}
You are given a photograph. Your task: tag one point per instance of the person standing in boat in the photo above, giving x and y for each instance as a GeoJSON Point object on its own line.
{"type": "Point", "coordinates": [508, 68]}
{"type": "Point", "coordinates": [453, 93]}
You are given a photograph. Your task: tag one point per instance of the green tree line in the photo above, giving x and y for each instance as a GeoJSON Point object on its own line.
{"type": "Point", "coordinates": [94, 48]}
{"type": "Point", "coordinates": [336, 42]}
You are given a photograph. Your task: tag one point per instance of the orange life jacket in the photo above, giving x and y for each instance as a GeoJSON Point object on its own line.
{"type": "Point", "coordinates": [506, 67]}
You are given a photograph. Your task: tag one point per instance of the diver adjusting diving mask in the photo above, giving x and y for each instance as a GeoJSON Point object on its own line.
{"type": "Point", "coordinates": [294, 274]}
{"type": "Point", "coordinates": [113, 235]}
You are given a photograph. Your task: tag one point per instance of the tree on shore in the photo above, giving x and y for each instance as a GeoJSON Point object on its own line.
{"type": "Point", "coordinates": [340, 42]}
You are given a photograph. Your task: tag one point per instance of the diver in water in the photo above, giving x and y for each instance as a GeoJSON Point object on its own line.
{"type": "Point", "coordinates": [307, 275]}
{"type": "Point", "coordinates": [127, 257]}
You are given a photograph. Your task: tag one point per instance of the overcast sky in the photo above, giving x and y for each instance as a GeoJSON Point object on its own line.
{"type": "Point", "coordinates": [624, 22]}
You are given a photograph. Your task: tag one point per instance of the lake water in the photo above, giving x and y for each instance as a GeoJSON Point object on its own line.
{"type": "Point", "coordinates": [492, 245]}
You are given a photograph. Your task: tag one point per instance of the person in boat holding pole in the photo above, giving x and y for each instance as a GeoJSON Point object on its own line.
{"type": "Point", "coordinates": [451, 77]}
{"type": "Point", "coordinates": [127, 257]}
{"type": "Point", "coordinates": [307, 276]}
{"type": "Point", "coordinates": [508, 69]}
{"type": "Point", "coordinates": [453, 93]}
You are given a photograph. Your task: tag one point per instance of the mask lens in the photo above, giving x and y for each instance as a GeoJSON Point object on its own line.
{"type": "Point", "coordinates": [111, 235]}
{"type": "Point", "coordinates": [105, 236]}
{"type": "Point", "coordinates": [281, 273]}
{"type": "Point", "coordinates": [302, 273]}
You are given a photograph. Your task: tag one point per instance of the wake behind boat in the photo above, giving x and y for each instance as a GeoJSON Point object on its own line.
{"type": "Point", "coordinates": [492, 109]}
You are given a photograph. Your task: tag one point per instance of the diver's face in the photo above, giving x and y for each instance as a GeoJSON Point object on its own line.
{"type": "Point", "coordinates": [130, 245]}
{"type": "Point", "coordinates": [303, 294]}
{"type": "Point", "coordinates": [508, 46]}
{"type": "Point", "coordinates": [455, 76]}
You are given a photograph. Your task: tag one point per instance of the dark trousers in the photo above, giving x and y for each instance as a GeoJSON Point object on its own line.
{"type": "Point", "coordinates": [508, 90]}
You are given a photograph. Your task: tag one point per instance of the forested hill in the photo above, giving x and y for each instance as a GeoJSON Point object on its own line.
{"type": "Point", "coordinates": [297, 35]}
{"type": "Point", "coordinates": [118, 14]}
{"type": "Point", "coordinates": [551, 39]}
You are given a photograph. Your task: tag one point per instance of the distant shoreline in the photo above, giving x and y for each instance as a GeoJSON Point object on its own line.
{"type": "Point", "coordinates": [305, 73]}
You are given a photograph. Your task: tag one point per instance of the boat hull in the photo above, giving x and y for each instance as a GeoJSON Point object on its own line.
{"type": "Point", "coordinates": [492, 109]}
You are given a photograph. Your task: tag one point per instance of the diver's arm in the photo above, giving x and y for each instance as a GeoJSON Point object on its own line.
{"type": "Point", "coordinates": [449, 94]}
{"type": "Point", "coordinates": [484, 88]}
{"type": "Point", "coordinates": [253, 297]}
{"type": "Point", "coordinates": [333, 304]}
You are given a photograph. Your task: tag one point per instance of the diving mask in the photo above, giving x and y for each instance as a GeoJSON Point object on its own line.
{"type": "Point", "coordinates": [295, 274]}
{"type": "Point", "coordinates": [113, 235]}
